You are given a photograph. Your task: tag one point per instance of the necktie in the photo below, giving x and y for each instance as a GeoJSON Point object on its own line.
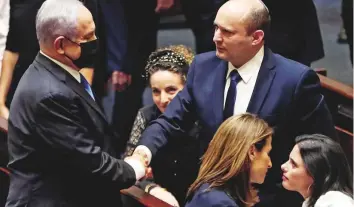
{"type": "Point", "coordinates": [231, 94]}
{"type": "Point", "coordinates": [86, 86]}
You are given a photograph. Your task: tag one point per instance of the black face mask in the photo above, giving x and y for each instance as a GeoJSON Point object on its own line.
{"type": "Point", "coordinates": [89, 52]}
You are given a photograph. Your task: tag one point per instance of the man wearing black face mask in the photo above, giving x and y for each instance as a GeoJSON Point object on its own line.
{"type": "Point", "coordinates": [89, 51]}
{"type": "Point", "coordinates": [60, 145]}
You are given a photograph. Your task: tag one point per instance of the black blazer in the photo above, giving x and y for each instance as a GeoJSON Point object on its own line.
{"type": "Point", "coordinates": [60, 145]}
{"type": "Point", "coordinates": [294, 30]}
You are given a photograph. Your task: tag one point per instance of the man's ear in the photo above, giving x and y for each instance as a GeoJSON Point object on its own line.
{"type": "Point", "coordinates": [252, 152]}
{"type": "Point", "coordinates": [58, 45]}
{"type": "Point", "coordinates": [258, 37]}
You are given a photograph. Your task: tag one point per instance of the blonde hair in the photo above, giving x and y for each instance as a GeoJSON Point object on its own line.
{"type": "Point", "coordinates": [226, 163]}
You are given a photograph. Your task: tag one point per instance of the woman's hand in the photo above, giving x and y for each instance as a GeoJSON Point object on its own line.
{"type": "Point", "coordinates": [164, 195]}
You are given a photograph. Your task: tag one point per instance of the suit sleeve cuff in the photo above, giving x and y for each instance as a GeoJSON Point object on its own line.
{"type": "Point", "coordinates": [139, 169]}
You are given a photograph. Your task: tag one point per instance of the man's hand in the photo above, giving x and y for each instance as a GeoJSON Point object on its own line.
{"type": "Point", "coordinates": [164, 195]}
{"type": "Point", "coordinates": [4, 112]}
{"type": "Point", "coordinates": [148, 173]}
{"type": "Point", "coordinates": [141, 155]}
{"type": "Point", "coordinates": [163, 5]}
{"type": "Point", "coordinates": [120, 80]}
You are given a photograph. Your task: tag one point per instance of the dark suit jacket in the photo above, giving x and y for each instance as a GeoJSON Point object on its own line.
{"type": "Point", "coordinates": [211, 198]}
{"type": "Point", "coordinates": [59, 144]}
{"type": "Point", "coordinates": [286, 95]}
{"type": "Point", "coordinates": [294, 30]}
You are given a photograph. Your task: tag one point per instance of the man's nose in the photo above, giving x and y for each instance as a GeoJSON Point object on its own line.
{"type": "Point", "coordinates": [217, 37]}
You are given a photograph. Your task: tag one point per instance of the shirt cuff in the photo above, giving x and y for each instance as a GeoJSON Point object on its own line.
{"type": "Point", "coordinates": [138, 167]}
{"type": "Point", "coordinates": [145, 150]}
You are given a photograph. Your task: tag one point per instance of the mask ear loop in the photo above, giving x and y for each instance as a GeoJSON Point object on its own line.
{"type": "Point", "coordinates": [71, 41]}
{"type": "Point", "coordinates": [61, 45]}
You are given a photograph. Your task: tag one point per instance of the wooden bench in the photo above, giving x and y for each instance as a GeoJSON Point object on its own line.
{"type": "Point", "coordinates": [133, 192]}
{"type": "Point", "coordinates": [339, 98]}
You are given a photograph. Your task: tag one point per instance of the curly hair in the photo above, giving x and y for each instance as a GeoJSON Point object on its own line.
{"type": "Point", "coordinates": [175, 58]}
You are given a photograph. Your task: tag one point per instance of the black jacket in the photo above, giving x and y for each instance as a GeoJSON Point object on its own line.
{"type": "Point", "coordinates": [60, 144]}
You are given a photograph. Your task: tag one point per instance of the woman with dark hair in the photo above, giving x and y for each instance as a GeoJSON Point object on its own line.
{"type": "Point", "coordinates": [318, 169]}
{"type": "Point", "coordinates": [174, 167]}
{"type": "Point", "coordinates": [237, 158]}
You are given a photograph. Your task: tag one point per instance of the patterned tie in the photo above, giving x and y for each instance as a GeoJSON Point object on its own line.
{"type": "Point", "coordinates": [86, 86]}
{"type": "Point", "coordinates": [231, 94]}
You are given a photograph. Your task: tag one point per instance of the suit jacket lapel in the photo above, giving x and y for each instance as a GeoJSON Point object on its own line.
{"type": "Point", "coordinates": [218, 91]}
{"type": "Point", "coordinates": [80, 90]}
{"type": "Point", "coordinates": [264, 81]}
{"type": "Point", "coordinates": [67, 79]}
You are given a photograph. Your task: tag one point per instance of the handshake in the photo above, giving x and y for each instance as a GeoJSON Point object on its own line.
{"type": "Point", "coordinates": [140, 161]}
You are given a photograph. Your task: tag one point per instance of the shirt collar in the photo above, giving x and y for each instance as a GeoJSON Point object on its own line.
{"type": "Point", "coordinates": [250, 68]}
{"type": "Point", "coordinates": [73, 72]}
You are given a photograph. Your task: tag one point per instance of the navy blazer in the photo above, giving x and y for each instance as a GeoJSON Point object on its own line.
{"type": "Point", "coordinates": [211, 198]}
{"type": "Point", "coordinates": [286, 95]}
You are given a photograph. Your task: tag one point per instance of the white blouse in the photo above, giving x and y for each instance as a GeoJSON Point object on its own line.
{"type": "Point", "coordinates": [332, 199]}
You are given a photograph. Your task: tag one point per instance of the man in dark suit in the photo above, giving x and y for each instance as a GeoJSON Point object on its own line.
{"type": "Point", "coordinates": [60, 145]}
{"type": "Point", "coordinates": [245, 76]}
{"type": "Point", "coordinates": [22, 49]}
{"type": "Point", "coordinates": [295, 31]}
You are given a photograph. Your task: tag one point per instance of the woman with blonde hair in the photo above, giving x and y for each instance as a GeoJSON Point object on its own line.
{"type": "Point", "coordinates": [236, 159]}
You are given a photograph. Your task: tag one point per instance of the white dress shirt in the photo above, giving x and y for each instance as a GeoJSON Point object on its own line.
{"type": "Point", "coordinates": [138, 167]}
{"type": "Point", "coordinates": [4, 25]}
{"type": "Point", "coordinates": [332, 199]}
{"type": "Point", "coordinates": [72, 71]}
{"type": "Point", "coordinates": [249, 73]}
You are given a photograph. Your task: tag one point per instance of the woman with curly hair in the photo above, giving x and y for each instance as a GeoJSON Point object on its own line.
{"type": "Point", "coordinates": [176, 165]}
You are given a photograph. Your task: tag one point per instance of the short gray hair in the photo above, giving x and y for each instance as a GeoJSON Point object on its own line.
{"type": "Point", "coordinates": [57, 18]}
